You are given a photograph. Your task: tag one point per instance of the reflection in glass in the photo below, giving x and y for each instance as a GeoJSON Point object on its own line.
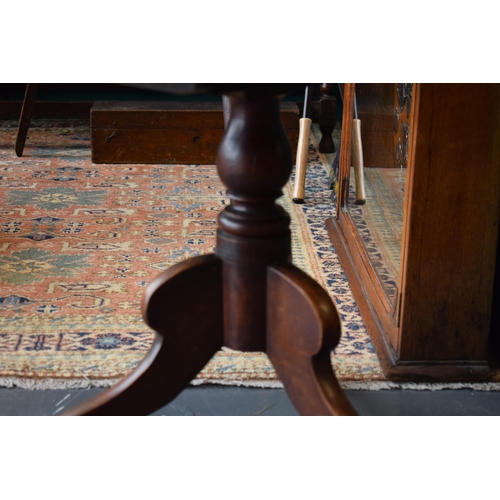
{"type": "Point", "coordinates": [385, 131]}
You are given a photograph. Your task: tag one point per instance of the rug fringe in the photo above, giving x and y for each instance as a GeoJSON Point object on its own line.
{"type": "Point", "coordinates": [358, 385]}
{"type": "Point", "coordinates": [350, 385]}
{"type": "Point", "coordinates": [263, 384]}
{"type": "Point", "coordinates": [49, 384]}
{"type": "Point", "coordinates": [420, 386]}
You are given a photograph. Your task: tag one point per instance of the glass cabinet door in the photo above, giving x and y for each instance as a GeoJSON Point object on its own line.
{"type": "Point", "coordinates": [375, 198]}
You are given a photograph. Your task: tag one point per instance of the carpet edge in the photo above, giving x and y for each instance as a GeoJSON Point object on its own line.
{"type": "Point", "coordinates": [64, 384]}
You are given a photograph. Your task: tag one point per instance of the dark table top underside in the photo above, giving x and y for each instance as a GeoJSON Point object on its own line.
{"type": "Point", "coordinates": [251, 89]}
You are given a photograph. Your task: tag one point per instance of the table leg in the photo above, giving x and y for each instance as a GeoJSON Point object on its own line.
{"type": "Point", "coordinates": [184, 305]}
{"type": "Point", "coordinates": [25, 118]}
{"type": "Point", "coordinates": [248, 296]}
{"type": "Point", "coordinates": [303, 327]}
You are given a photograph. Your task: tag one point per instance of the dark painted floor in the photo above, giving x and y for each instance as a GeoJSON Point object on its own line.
{"type": "Point", "coordinates": [237, 401]}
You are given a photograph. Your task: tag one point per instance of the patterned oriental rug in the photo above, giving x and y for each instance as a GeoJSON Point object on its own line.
{"type": "Point", "coordinates": [380, 222]}
{"type": "Point", "coordinates": [79, 243]}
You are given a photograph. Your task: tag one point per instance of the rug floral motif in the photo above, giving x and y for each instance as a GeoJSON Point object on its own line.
{"type": "Point", "coordinates": [79, 243]}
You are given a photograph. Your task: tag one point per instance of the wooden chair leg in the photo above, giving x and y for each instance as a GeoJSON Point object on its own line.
{"type": "Point", "coordinates": [327, 118]}
{"type": "Point", "coordinates": [303, 327]}
{"type": "Point", "coordinates": [184, 305]}
{"type": "Point", "coordinates": [25, 118]}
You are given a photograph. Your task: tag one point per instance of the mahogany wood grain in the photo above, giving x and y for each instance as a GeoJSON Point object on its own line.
{"type": "Point", "coordinates": [254, 161]}
{"type": "Point", "coordinates": [378, 139]}
{"type": "Point", "coordinates": [167, 146]}
{"type": "Point", "coordinates": [452, 225]}
{"type": "Point", "coordinates": [248, 296]}
{"type": "Point", "coordinates": [303, 327]}
{"type": "Point", "coordinates": [166, 132]}
{"type": "Point", "coordinates": [189, 325]}
{"type": "Point", "coordinates": [377, 114]}
{"type": "Point", "coordinates": [345, 156]}
{"type": "Point", "coordinates": [439, 328]}
{"type": "Point", "coordinates": [381, 325]}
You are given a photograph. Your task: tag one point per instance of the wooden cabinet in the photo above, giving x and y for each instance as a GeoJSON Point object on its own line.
{"type": "Point", "coordinates": [420, 254]}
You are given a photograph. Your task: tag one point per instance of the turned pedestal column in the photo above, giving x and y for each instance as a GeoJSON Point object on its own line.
{"type": "Point", "coordinates": [247, 296]}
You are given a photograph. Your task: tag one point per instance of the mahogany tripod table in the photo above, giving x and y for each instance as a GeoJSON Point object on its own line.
{"type": "Point", "coordinates": [247, 296]}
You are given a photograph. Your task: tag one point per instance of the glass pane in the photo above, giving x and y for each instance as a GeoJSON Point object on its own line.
{"type": "Point", "coordinates": [383, 111]}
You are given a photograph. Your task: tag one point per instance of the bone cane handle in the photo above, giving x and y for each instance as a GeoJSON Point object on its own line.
{"type": "Point", "coordinates": [301, 160]}
{"type": "Point", "coordinates": [357, 161]}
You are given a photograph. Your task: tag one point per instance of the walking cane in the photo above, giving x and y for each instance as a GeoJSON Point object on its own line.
{"type": "Point", "coordinates": [302, 150]}
{"type": "Point", "coordinates": [357, 157]}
